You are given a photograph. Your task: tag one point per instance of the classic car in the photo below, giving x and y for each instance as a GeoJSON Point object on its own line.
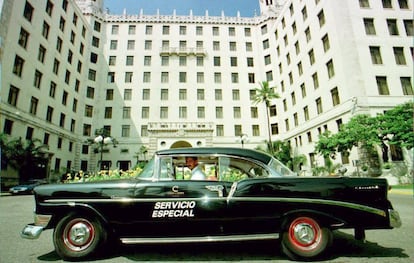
{"type": "Point", "coordinates": [26, 187]}
{"type": "Point", "coordinates": [246, 195]}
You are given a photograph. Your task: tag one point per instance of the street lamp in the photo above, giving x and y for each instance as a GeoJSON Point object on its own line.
{"type": "Point", "coordinates": [243, 139]}
{"type": "Point", "coordinates": [101, 140]}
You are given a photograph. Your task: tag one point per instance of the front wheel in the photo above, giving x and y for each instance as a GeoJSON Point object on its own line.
{"type": "Point", "coordinates": [78, 236]}
{"type": "Point", "coordinates": [304, 238]}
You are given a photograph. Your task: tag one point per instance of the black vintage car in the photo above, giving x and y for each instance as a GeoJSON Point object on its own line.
{"type": "Point", "coordinates": [243, 195]}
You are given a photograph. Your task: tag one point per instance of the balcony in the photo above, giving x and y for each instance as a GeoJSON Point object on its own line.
{"type": "Point", "coordinates": [174, 51]}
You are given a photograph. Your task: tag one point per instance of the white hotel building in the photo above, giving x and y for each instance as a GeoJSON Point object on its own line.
{"type": "Point", "coordinates": [69, 68]}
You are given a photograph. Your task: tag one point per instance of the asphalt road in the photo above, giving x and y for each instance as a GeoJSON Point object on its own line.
{"type": "Point", "coordinates": [391, 246]}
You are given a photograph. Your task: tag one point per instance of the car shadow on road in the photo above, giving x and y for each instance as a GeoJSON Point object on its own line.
{"type": "Point", "coordinates": [344, 246]}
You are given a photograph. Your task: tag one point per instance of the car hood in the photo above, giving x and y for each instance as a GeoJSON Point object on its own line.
{"type": "Point", "coordinates": [98, 189]}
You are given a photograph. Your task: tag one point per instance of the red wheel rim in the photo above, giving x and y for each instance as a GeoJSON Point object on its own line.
{"type": "Point", "coordinates": [305, 233]}
{"type": "Point", "coordinates": [78, 234]}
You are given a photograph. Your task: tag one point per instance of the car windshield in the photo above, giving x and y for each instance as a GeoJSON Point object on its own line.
{"type": "Point", "coordinates": [148, 170]}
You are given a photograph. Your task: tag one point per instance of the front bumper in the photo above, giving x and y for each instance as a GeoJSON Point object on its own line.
{"type": "Point", "coordinates": [31, 231]}
{"type": "Point", "coordinates": [394, 217]}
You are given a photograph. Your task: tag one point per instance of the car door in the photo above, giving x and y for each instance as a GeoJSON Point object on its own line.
{"type": "Point", "coordinates": [171, 206]}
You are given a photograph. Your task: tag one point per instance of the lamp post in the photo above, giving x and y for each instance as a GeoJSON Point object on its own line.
{"type": "Point", "coordinates": [101, 140]}
{"type": "Point", "coordinates": [243, 139]}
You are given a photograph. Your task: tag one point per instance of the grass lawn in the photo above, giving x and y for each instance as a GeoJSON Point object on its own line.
{"type": "Point", "coordinates": [403, 186]}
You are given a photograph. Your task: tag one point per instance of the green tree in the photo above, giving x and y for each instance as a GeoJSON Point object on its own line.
{"type": "Point", "coordinates": [23, 155]}
{"type": "Point", "coordinates": [396, 125]}
{"type": "Point", "coordinates": [265, 94]}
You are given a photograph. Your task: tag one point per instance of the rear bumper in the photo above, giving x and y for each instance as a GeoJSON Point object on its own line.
{"type": "Point", "coordinates": [394, 217]}
{"type": "Point", "coordinates": [31, 231]}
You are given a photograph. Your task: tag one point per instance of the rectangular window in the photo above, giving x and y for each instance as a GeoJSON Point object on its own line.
{"type": "Point", "coordinates": [108, 113]}
{"type": "Point", "coordinates": [219, 112]}
{"type": "Point", "coordinates": [200, 94]}
{"type": "Point", "coordinates": [131, 30]}
{"type": "Point", "coordinates": [147, 77]}
{"type": "Point", "coordinates": [321, 18]}
{"type": "Point", "coordinates": [128, 94]}
{"type": "Point", "coordinates": [234, 78]}
{"type": "Point", "coordinates": [113, 45]}
{"type": "Point", "coordinates": [233, 61]}
{"type": "Point", "coordinates": [37, 79]}
{"type": "Point", "coordinates": [145, 113]}
{"type": "Point", "coordinates": [409, 27]}
{"type": "Point", "coordinates": [18, 66]}
{"type": "Point", "coordinates": [249, 46]}
{"type": "Point", "coordinates": [265, 44]}
{"type": "Point", "coordinates": [217, 77]}
{"type": "Point", "coordinates": [375, 55]}
{"type": "Point", "coordinates": [128, 77]}
{"type": "Point", "coordinates": [129, 61]}
{"type": "Point", "coordinates": [88, 111]}
{"type": "Point", "coordinates": [199, 30]}
{"type": "Point", "coordinates": [126, 112]}
{"type": "Point", "coordinates": [131, 45]}
{"type": "Point", "coordinates": [399, 56]}
{"type": "Point", "coordinates": [392, 27]}
{"type": "Point", "coordinates": [182, 112]}
{"type": "Point", "coordinates": [236, 94]}
{"type": "Point", "coordinates": [33, 105]}
{"type": "Point", "coordinates": [330, 68]}
{"type": "Point", "coordinates": [218, 95]}
{"type": "Point", "coordinates": [254, 114]}
{"type": "Point", "coordinates": [28, 11]}
{"type": "Point", "coordinates": [200, 77]}
{"type": "Point", "coordinates": [182, 94]}
{"type": "Point", "coordinates": [406, 86]}
{"type": "Point", "coordinates": [382, 85]}
{"type": "Point", "coordinates": [335, 96]}
{"type": "Point", "coordinates": [364, 3]}
{"type": "Point", "coordinates": [109, 94]}
{"type": "Point", "coordinates": [13, 95]}
{"type": "Point", "coordinates": [145, 94]}
{"type": "Point", "coordinates": [318, 103]}
{"type": "Point", "coordinates": [219, 130]}
{"type": "Point", "coordinates": [125, 131]}
{"type": "Point", "coordinates": [201, 112]}
{"type": "Point", "coordinates": [386, 4]}
{"type": "Point", "coordinates": [369, 26]}
{"type": "Point", "coordinates": [164, 77]}
{"type": "Point", "coordinates": [215, 31]}
{"type": "Point", "coordinates": [236, 112]}
{"type": "Point", "coordinates": [23, 38]}
{"type": "Point", "coordinates": [165, 30]}
{"type": "Point", "coordinates": [164, 94]}
{"type": "Point", "coordinates": [315, 80]}
{"type": "Point", "coordinates": [49, 114]}
{"type": "Point", "coordinates": [183, 30]}
{"type": "Point", "coordinates": [164, 112]}
{"type": "Point", "coordinates": [182, 77]}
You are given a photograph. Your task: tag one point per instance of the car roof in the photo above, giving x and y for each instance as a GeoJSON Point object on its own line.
{"type": "Point", "coordinates": [241, 152]}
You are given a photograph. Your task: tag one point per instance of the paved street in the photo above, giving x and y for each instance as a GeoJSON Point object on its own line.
{"type": "Point", "coordinates": [390, 246]}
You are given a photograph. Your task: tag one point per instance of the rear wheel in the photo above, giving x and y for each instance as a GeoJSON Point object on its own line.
{"type": "Point", "coordinates": [304, 238]}
{"type": "Point", "coordinates": [78, 236]}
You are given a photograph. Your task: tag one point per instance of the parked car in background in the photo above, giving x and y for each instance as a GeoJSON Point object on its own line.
{"type": "Point", "coordinates": [26, 187]}
{"type": "Point", "coordinates": [244, 195]}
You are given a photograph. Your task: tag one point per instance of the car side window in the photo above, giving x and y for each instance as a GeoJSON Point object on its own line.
{"type": "Point", "coordinates": [207, 165]}
{"type": "Point", "coordinates": [166, 169]}
{"type": "Point", "coordinates": [235, 169]}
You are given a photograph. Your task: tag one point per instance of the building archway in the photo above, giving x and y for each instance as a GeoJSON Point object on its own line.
{"type": "Point", "coordinates": [180, 144]}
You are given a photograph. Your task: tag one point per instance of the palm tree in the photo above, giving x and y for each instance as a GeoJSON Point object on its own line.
{"type": "Point", "coordinates": [266, 94]}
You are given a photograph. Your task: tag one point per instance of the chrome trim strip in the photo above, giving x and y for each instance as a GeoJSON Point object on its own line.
{"type": "Point", "coordinates": [315, 201]}
{"type": "Point", "coordinates": [228, 199]}
{"type": "Point", "coordinates": [169, 240]}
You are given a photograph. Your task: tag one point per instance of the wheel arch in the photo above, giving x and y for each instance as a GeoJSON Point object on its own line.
{"type": "Point", "coordinates": [80, 209]}
{"type": "Point", "coordinates": [324, 219]}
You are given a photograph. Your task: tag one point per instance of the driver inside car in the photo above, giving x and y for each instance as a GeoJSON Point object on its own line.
{"type": "Point", "coordinates": [196, 171]}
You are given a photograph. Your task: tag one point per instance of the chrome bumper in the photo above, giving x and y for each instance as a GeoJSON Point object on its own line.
{"type": "Point", "coordinates": [31, 231]}
{"type": "Point", "coordinates": [394, 217]}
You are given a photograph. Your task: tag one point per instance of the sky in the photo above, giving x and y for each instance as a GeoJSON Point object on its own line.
{"type": "Point", "coordinates": [247, 8]}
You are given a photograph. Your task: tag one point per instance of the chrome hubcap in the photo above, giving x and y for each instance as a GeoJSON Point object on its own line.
{"type": "Point", "coordinates": [304, 233]}
{"type": "Point", "coordinates": [78, 235]}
